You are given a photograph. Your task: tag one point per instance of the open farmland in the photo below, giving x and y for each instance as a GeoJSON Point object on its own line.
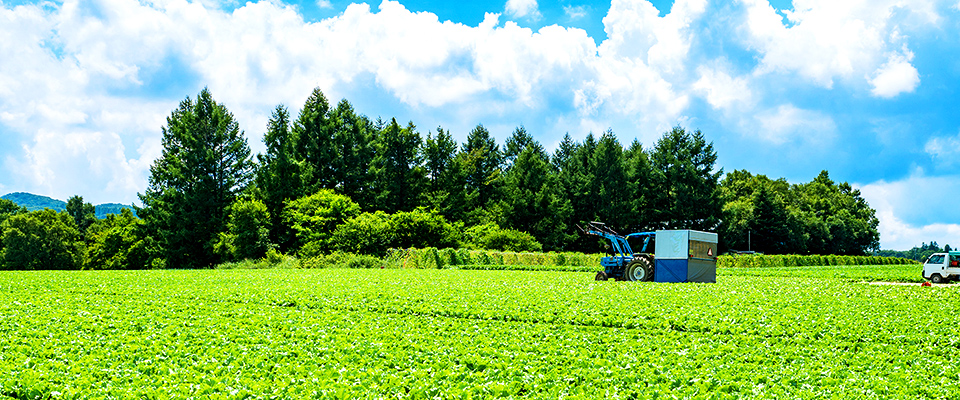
{"type": "Point", "coordinates": [451, 333]}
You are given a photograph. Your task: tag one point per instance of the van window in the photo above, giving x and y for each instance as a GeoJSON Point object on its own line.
{"type": "Point", "coordinates": [935, 259]}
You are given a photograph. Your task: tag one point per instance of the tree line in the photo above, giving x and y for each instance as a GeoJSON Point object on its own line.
{"type": "Point", "coordinates": [331, 179]}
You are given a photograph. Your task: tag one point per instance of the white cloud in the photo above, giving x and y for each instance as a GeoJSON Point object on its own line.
{"type": "Point", "coordinates": [914, 210]}
{"type": "Point", "coordinates": [522, 9]}
{"type": "Point", "coordinates": [575, 12]}
{"type": "Point", "coordinates": [788, 123]}
{"type": "Point", "coordinates": [721, 90]}
{"type": "Point", "coordinates": [895, 76]}
{"type": "Point", "coordinates": [943, 150]}
{"type": "Point", "coordinates": [324, 4]}
{"type": "Point", "coordinates": [830, 40]}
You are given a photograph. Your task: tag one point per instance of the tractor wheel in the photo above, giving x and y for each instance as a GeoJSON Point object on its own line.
{"type": "Point", "coordinates": [601, 276]}
{"type": "Point", "coordinates": [936, 278]}
{"type": "Point", "coordinates": [639, 270]}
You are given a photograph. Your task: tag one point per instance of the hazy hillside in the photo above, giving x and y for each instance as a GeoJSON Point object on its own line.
{"type": "Point", "coordinates": [35, 202]}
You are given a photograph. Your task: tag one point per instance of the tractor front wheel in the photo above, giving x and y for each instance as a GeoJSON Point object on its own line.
{"type": "Point", "coordinates": [639, 270]}
{"type": "Point", "coordinates": [601, 276]}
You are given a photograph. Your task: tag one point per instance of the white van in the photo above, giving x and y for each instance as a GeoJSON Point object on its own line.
{"type": "Point", "coordinates": [942, 267]}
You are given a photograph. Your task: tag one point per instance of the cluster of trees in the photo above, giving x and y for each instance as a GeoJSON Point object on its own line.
{"type": "Point", "coordinates": [775, 217]}
{"type": "Point", "coordinates": [333, 180]}
{"type": "Point", "coordinates": [919, 253]}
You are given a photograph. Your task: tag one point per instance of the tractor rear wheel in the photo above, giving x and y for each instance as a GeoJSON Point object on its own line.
{"type": "Point", "coordinates": [639, 270]}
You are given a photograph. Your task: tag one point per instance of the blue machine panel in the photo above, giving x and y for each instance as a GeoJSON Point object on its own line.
{"type": "Point", "coordinates": [670, 271]}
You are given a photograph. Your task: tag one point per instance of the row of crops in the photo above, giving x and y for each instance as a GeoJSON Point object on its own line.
{"type": "Point", "coordinates": [440, 333]}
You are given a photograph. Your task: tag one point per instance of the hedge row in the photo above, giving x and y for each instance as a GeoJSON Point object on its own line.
{"type": "Point", "coordinates": [791, 260]}
{"type": "Point", "coordinates": [431, 258]}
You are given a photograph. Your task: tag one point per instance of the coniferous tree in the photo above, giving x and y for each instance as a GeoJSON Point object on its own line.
{"type": "Point", "coordinates": [353, 139]}
{"type": "Point", "coordinates": [640, 187]}
{"type": "Point", "coordinates": [535, 204]}
{"type": "Point", "coordinates": [445, 186]}
{"type": "Point", "coordinates": [399, 176]}
{"type": "Point", "coordinates": [205, 164]}
{"type": "Point", "coordinates": [610, 180]}
{"type": "Point", "coordinates": [315, 144]}
{"type": "Point", "coordinates": [278, 174]}
{"type": "Point", "coordinates": [685, 195]}
{"type": "Point", "coordinates": [480, 161]}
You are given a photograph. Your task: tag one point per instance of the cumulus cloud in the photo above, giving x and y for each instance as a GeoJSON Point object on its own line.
{"type": "Point", "coordinates": [829, 40]}
{"type": "Point", "coordinates": [895, 76]}
{"type": "Point", "coordinates": [721, 90]}
{"type": "Point", "coordinates": [918, 207]}
{"type": "Point", "coordinates": [522, 9]}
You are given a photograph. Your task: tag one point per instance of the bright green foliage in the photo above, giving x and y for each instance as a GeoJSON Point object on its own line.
{"type": "Point", "coordinates": [120, 242]}
{"type": "Point", "coordinates": [7, 209]}
{"type": "Point", "coordinates": [376, 233]}
{"type": "Point", "coordinates": [84, 214]}
{"type": "Point", "coordinates": [204, 165]}
{"type": "Point", "coordinates": [398, 333]}
{"type": "Point", "coordinates": [492, 237]}
{"type": "Point", "coordinates": [43, 239]}
{"type": "Point", "coordinates": [314, 218]}
{"type": "Point", "coordinates": [819, 217]}
{"type": "Point", "coordinates": [248, 231]}
{"type": "Point", "coordinates": [686, 194]}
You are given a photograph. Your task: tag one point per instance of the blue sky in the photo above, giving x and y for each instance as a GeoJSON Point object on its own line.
{"type": "Point", "coordinates": [865, 89]}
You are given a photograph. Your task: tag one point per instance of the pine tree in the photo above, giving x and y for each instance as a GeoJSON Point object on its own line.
{"type": "Point", "coordinates": [278, 174]}
{"type": "Point", "coordinates": [205, 164]}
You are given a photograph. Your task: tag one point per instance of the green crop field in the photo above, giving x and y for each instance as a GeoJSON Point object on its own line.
{"type": "Point", "coordinates": [396, 333]}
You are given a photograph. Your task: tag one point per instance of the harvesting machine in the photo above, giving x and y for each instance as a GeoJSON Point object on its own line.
{"type": "Point", "coordinates": [681, 255]}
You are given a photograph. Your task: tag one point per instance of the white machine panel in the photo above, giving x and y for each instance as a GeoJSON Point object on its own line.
{"type": "Point", "coordinates": [672, 245]}
{"type": "Point", "coordinates": [701, 236]}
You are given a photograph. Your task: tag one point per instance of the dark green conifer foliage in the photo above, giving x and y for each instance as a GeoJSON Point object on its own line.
{"type": "Point", "coordinates": [204, 165]}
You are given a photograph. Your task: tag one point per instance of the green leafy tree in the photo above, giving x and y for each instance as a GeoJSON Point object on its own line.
{"type": "Point", "coordinates": [119, 241]}
{"type": "Point", "coordinates": [84, 214]}
{"type": "Point", "coordinates": [685, 192]}
{"type": "Point", "coordinates": [397, 168]}
{"type": "Point", "coordinates": [8, 209]}
{"type": "Point", "coordinates": [204, 165]}
{"type": "Point", "coordinates": [314, 218]}
{"type": "Point", "coordinates": [836, 218]}
{"type": "Point", "coordinates": [43, 239]}
{"type": "Point", "coordinates": [278, 174]}
{"type": "Point", "coordinates": [248, 231]}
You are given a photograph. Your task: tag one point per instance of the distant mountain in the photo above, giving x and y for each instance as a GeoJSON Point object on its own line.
{"type": "Point", "coordinates": [35, 202]}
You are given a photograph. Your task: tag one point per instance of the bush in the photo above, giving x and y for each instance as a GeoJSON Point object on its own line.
{"type": "Point", "coordinates": [510, 240]}
{"type": "Point", "coordinates": [376, 233]}
{"type": "Point", "coordinates": [314, 217]}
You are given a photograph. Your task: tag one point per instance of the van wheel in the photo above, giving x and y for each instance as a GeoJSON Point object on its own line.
{"type": "Point", "coordinates": [936, 278]}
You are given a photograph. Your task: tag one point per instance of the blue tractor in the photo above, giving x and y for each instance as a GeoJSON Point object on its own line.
{"type": "Point", "coordinates": [621, 263]}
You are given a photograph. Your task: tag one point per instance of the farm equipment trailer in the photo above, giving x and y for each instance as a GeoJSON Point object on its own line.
{"type": "Point", "coordinates": [679, 256]}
